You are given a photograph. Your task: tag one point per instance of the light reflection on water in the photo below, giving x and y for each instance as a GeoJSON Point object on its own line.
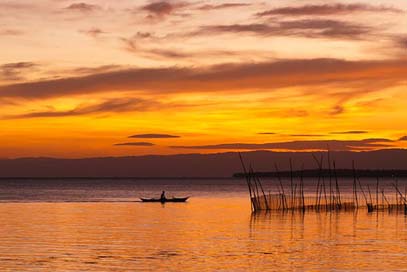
{"type": "Point", "coordinates": [206, 234]}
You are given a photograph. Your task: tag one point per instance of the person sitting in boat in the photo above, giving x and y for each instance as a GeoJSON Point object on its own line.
{"type": "Point", "coordinates": [162, 198]}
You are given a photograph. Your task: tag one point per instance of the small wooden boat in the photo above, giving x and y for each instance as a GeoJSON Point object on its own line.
{"type": "Point", "coordinates": [174, 199]}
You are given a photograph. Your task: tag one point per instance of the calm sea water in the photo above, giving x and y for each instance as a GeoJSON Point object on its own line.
{"type": "Point", "coordinates": [98, 225]}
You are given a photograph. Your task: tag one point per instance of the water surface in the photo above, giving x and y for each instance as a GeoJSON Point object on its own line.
{"type": "Point", "coordinates": [88, 225]}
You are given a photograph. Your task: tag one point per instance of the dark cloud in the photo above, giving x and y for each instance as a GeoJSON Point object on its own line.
{"type": "Point", "coordinates": [10, 32]}
{"type": "Point", "coordinates": [223, 6]}
{"type": "Point", "coordinates": [333, 145]}
{"type": "Point", "coordinates": [306, 135]}
{"type": "Point", "coordinates": [131, 45]}
{"type": "Point", "coordinates": [327, 9]}
{"type": "Point", "coordinates": [401, 42]}
{"type": "Point", "coordinates": [82, 7]}
{"type": "Point", "coordinates": [311, 28]}
{"type": "Point", "coordinates": [404, 138]}
{"type": "Point", "coordinates": [93, 70]}
{"type": "Point", "coordinates": [162, 8]}
{"type": "Point", "coordinates": [228, 77]}
{"type": "Point", "coordinates": [166, 53]}
{"type": "Point", "coordinates": [113, 105]}
{"type": "Point", "coordinates": [16, 70]}
{"type": "Point", "coordinates": [350, 132]}
{"type": "Point", "coordinates": [153, 136]}
{"type": "Point", "coordinates": [267, 133]}
{"type": "Point", "coordinates": [93, 32]}
{"type": "Point", "coordinates": [135, 144]}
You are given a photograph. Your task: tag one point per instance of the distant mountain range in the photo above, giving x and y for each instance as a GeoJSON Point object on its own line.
{"type": "Point", "coordinates": [196, 165]}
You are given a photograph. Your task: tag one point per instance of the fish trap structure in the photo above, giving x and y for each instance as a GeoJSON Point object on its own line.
{"type": "Point", "coordinates": [327, 197]}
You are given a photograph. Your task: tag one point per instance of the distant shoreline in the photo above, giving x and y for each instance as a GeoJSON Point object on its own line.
{"type": "Point", "coordinates": [343, 173]}
{"type": "Point", "coordinates": [307, 173]}
{"type": "Point", "coordinates": [115, 178]}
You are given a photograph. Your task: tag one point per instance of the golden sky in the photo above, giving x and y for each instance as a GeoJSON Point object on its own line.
{"type": "Point", "coordinates": [78, 79]}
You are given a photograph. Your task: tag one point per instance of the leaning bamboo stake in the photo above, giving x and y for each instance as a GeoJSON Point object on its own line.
{"type": "Point", "coordinates": [331, 195]}
{"type": "Point", "coordinates": [355, 194]}
{"type": "Point", "coordinates": [363, 192]}
{"type": "Point", "coordinates": [284, 200]}
{"type": "Point", "coordinates": [291, 183]}
{"type": "Point", "coordinates": [257, 194]}
{"type": "Point", "coordinates": [337, 186]}
{"type": "Point", "coordinates": [261, 187]}
{"type": "Point", "coordinates": [318, 192]}
{"type": "Point", "coordinates": [247, 181]}
{"type": "Point", "coordinates": [377, 192]}
{"type": "Point", "coordinates": [370, 205]}
{"type": "Point", "coordinates": [400, 193]}
{"type": "Point", "coordinates": [320, 166]}
{"type": "Point", "coordinates": [302, 188]}
{"type": "Point", "coordinates": [403, 198]}
{"type": "Point", "coordinates": [385, 198]}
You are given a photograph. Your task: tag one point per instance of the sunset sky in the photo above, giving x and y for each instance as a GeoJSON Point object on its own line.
{"type": "Point", "coordinates": [131, 77]}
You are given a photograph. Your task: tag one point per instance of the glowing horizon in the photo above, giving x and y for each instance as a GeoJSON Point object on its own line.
{"type": "Point", "coordinates": [78, 78]}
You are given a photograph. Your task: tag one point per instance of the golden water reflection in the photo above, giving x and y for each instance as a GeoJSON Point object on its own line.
{"type": "Point", "coordinates": [205, 234]}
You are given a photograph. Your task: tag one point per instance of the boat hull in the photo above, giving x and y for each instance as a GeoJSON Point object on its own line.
{"type": "Point", "coordinates": [174, 199]}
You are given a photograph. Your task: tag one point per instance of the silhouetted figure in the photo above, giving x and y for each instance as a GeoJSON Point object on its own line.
{"type": "Point", "coordinates": [162, 197]}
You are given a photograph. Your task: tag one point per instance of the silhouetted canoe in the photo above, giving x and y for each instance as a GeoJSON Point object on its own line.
{"type": "Point", "coordinates": [174, 199]}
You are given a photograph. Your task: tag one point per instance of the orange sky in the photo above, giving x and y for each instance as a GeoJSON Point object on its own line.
{"type": "Point", "coordinates": [78, 78]}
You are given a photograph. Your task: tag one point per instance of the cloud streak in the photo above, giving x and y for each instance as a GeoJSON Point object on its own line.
{"type": "Point", "coordinates": [153, 136]}
{"type": "Point", "coordinates": [112, 106]}
{"type": "Point", "coordinates": [333, 145]}
{"type": "Point", "coordinates": [310, 28]}
{"type": "Point", "coordinates": [228, 77]}
{"type": "Point", "coordinates": [82, 7]}
{"type": "Point", "coordinates": [16, 70]}
{"type": "Point", "coordinates": [223, 6]}
{"type": "Point", "coordinates": [350, 132]}
{"type": "Point", "coordinates": [327, 9]}
{"type": "Point", "coordinates": [136, 144]}
{"type": "Point", "coordinates": [160, 9]}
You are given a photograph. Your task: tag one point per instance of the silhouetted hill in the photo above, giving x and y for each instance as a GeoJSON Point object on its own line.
{"type": "Point", "coordinates": [330, 173]}
{"type": "Point", "coordinates": [193, 165]}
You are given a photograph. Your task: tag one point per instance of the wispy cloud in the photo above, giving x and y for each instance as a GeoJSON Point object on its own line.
{"type": "Point", "coordinates": [327, 9]}
{"type": "Point", "coordinates": [107, 106]}
{"type": "Point", "coordinates": [311, 28]}
{"type": "Point", "coordinates": [350, 132]}
{"type": "Point", "coordinates": [227, 77]}
{"type": "Point", "coordinates": [404, 138]}
{"type": "Point", "coordinates": [306, 135]}
{"type": "Point", "coordinates": [160, 9]}
{"type": "Point", "coordinates": [267, 133]}
{"type": "Point", "coordinates": [82, 7]}
{"type": "Point", "coordinates": [93, 32]}
{"type": "Point", "coordinates": [10, 32]}
{"type": "Point", "coordinates": [16, 70]}
{"type": "Point", "coordinates": [153, 136]}
{"type": "Point", "coordinates": [223, 6]}
{"type": "Point", "coordinates": [141, 144]}
{"type": "Point", "coordinates": [132, 45]}
{"type": "Point", "coordinates": [333, 145]}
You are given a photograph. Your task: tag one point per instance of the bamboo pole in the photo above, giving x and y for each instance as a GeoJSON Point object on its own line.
{"type": "Point", "coordinates": [330, 180]}
{"type": "Point", "coordinates": [337, 187]}
{"type": "Point", "coordinates": [257, 194]}
{"type": "Point", "coordinates": [291, 183]}
{"type": "Point", "coordinates": [282, 187]}
{"type": "Point", "coordinates": [302, 188]}
{"type": "Point", "coordinates": [355, 194]}
{"type": "Point", "coordinates": [377, 192]}
{"type": "Point", "coordinates": [247, 181]}
{"type": "Point", "coordinates": [385, 198]}
{"type": "Point", "coordinates": [261, 187]}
